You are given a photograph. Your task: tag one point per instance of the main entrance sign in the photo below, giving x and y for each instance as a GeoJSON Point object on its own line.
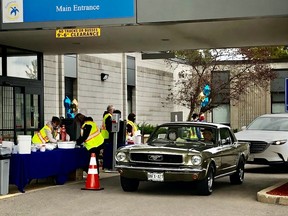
{"type": "Point", "coordinates": [32, 12]}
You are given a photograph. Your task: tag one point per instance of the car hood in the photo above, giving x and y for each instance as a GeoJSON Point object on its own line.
{"type": "Point", "coordinates": [260, 135]}
{"type": "Point", "coordinates": [150, 148]}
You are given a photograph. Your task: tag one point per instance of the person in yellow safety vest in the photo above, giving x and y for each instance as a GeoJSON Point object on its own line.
{"type": "Point", "coordinates": [131, 126]}
{"type": "Point", "coordinates": [107, 122]}
{"type": "Point", "coordinates": [48, 133]}
{"type": "Point", "coordinates": [108, 138]}
{"type": "Point", "coordinates": [90, 136]}
{"type": "Point", "coordinates": [195, 132]}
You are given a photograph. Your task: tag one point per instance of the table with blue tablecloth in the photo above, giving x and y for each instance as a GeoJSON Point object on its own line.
{"type": "Point", "coordinates": [58, 163]}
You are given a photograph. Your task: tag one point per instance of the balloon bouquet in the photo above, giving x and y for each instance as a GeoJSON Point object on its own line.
{"type": "Point", "coordinates": [71, 107]}
{"type": "Point", "coordinates": [204, 98]}
{"type": "Point", "coordinates": [205, 93]}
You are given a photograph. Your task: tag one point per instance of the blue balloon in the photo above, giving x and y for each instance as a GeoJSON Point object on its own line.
{"type": "Point", "coordinates": [67, 103]}
{"type": "Point", "coordinates": [205, 102]}
{"type": "Point", "coordinates": [206, 90]}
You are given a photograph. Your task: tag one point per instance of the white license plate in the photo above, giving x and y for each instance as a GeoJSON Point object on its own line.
{"type": "Point", "coordinates": [155, 176]}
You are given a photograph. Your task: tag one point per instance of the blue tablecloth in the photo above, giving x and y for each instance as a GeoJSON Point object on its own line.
{"type": "Point", "coordinates": [58, 163]}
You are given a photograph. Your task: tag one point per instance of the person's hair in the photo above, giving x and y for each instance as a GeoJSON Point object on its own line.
{"type": "Point", "coordinates": [56, 120]}
{"type": "Point", "coordinates": [110, 108]}
{"type": "Point", "coordinates": [118, 112]}
{"type": "Point", "coordinates": [195, 115]}
{"type": "Point", "coordinates": [80, 118]}
{"type": "Point", "coordinates": [105, 112]}
{"type": "Point", "coordinates": [132, 117]}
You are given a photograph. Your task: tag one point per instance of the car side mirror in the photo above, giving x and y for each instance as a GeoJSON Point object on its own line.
{"type": "Point", "coordinates": [226, 141]}
{"type": "Point", "coordinates": [243, 128]}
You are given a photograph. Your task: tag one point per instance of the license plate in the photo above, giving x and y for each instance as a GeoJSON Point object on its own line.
{"type": "Point", "coordinates": [155, 177]}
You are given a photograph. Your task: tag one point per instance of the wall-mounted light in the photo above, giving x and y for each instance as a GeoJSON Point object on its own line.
{"type": "Point", "coordinates": [104, 76]}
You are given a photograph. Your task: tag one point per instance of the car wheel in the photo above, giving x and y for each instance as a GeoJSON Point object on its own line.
{"type": "Point", "coordinates": [205, 187]}
{"type": "Point", "coordinates": [128, 184]}
{"type": "Point", "coordinates": [238, 177]}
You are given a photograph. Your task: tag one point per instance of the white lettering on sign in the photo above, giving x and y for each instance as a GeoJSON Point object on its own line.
{"type": "Point", "coordinates": [66, 8]}
{"type": "Point", "coordinates": [62, 8]}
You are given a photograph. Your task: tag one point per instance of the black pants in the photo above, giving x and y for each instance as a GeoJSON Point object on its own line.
{"type": "Point", "coordinates": [95, 150]}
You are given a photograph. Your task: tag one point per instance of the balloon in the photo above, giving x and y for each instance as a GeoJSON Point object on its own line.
{"type": "Point", "coordinates": [67, 102]}
{"type": "Point", "coordinates": [206, 90]}
{"type": "Point", "coordinates": [205, 102]}
{"type": "Point", "coordinates": [201, 96]}
{"type": "Point", "coordinates": [74, 105]}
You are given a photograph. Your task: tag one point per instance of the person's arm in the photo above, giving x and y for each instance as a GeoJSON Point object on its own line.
{"type": "Point", "coordinates": [50, 136]}
{"type": "Point", "coordinates": [129, 129]}
{"type": "Point", "coordinates": [86, 132]}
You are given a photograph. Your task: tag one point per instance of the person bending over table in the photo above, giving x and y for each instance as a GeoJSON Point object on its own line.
{"type": "Point", "coordinates": [48, 133]}
{"type": "Point", "coordinates": [90, 136]}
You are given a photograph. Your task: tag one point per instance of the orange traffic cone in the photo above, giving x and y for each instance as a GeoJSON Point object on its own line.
{"type": "Point", "coordinates": [92, 181]}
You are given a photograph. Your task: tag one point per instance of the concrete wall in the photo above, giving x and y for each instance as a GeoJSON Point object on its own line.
{"type": "Point", "coordinates": [93, 95]}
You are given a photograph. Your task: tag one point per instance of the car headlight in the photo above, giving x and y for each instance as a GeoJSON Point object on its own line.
{"type": "Point", "coordinates": [120, 156]}
{"type": "Point", "coordinates": [279, 142]}
{"type": "Point", "coordinates": [196, 160]}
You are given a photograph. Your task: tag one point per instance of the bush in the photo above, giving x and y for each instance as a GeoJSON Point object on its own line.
{"type": "Point", "coordinates": [146, 128]}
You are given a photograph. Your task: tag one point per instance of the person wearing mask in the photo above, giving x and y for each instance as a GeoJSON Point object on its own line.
{"type": "Point", "coordinates": [131, 126]}
{"type": "Point", "coordinates": [48, 133]}
{"type": "Point", "coordinates": [90, 136]}
{"type": "Point", "coordinates": [108, 138]}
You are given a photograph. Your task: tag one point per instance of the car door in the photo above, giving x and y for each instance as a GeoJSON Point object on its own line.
{"type": "Point", "coordinates": [229, 153]}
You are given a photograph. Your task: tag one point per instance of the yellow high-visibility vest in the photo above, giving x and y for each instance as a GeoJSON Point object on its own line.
{"type": "Point", "coordinates": [41, 136]}
{"type": "Point", "coordinates": [95, 138]}
{"type": "Point", "coordinates": [134, 128]}
{"type": "Point", "coordinates": [104, 131]}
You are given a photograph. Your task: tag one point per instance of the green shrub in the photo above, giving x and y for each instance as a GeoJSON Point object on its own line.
{"type": "Point", "coordinates": [146, 128]}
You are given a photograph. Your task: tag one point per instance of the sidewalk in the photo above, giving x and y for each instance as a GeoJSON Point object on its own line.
{"type": "Point", "coordinates": [42, 184]}
{"type": "Point", "coordinates": [263, 196]}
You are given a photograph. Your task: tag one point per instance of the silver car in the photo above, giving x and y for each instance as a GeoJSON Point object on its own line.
{"type": "Point", "coordinates": [268, 137]}
{"type": "Point", "coordinates": [184, 151]}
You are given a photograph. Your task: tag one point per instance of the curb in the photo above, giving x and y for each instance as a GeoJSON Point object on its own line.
{"type": "Point", "coordinates": [262, 196]}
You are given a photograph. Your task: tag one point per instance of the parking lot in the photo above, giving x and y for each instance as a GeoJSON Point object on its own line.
{"type": "Point", "coordinates": [151, 198]}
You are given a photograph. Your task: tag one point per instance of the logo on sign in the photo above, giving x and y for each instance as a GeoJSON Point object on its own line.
{"type": "Point", "coordinates": [155, 157]}
{"type": "Point", "coordinates": [12, 11]}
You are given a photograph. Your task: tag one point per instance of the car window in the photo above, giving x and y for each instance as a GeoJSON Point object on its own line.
{"type": "Point", "coordinates": [269, 123]}
{"type": "Point", "coordinates": [183, 136]}
{"type": "Point", "coordinates": [225, 136]}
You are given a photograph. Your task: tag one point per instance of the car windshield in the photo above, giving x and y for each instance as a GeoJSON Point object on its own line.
{"type": "Point", "coordinates": [269, 124]}
{"type": "Point", "coordinates": [183, 136]}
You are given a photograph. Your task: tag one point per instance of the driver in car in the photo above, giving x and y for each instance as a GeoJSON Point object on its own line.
{"type": "Point", "coordinates": [208, 136]}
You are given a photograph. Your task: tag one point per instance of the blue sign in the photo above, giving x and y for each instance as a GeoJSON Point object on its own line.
{"type": "Point", "coordinates": [66, 10]}
{"type": "Point", "coordinates": [286, 94]}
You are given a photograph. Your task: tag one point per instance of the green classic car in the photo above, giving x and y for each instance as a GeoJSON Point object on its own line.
{"type": "Point", "coordinates": [184, 151]}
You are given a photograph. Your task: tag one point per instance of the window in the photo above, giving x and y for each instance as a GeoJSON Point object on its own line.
{"type": "Point", "coordinates": [221, 114]}
{"type": "Point", "coordinates": [22, 64]}
{"type": "Point", "coordinates": [225, 136]}
{"type": "Point", "coordinates": [278, 92]}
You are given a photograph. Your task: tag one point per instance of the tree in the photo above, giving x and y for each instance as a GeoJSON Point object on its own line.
{"type": "Point", "coordinates": [229, 73]}
{"type": "Point", "coordinates": [32, 71]}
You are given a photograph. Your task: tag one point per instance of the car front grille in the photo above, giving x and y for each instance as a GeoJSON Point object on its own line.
{"type": "Point", "coordinates": [156, 158]}
{"type": "Point", "coordinates": [257, 146]}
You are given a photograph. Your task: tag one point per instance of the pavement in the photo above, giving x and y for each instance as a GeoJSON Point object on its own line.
{"type": "Point", "coordinates": [42, 184]}
{"type": "Point", "coordinates": [35, 185]}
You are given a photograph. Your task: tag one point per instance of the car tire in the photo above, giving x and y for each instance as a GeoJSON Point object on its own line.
{"type": "Point", "coordinates": [128, 184]}
{"type": "Point", "coordinates": [238, 177]}
{"type": "Point", "coordinates": [205, 187]}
